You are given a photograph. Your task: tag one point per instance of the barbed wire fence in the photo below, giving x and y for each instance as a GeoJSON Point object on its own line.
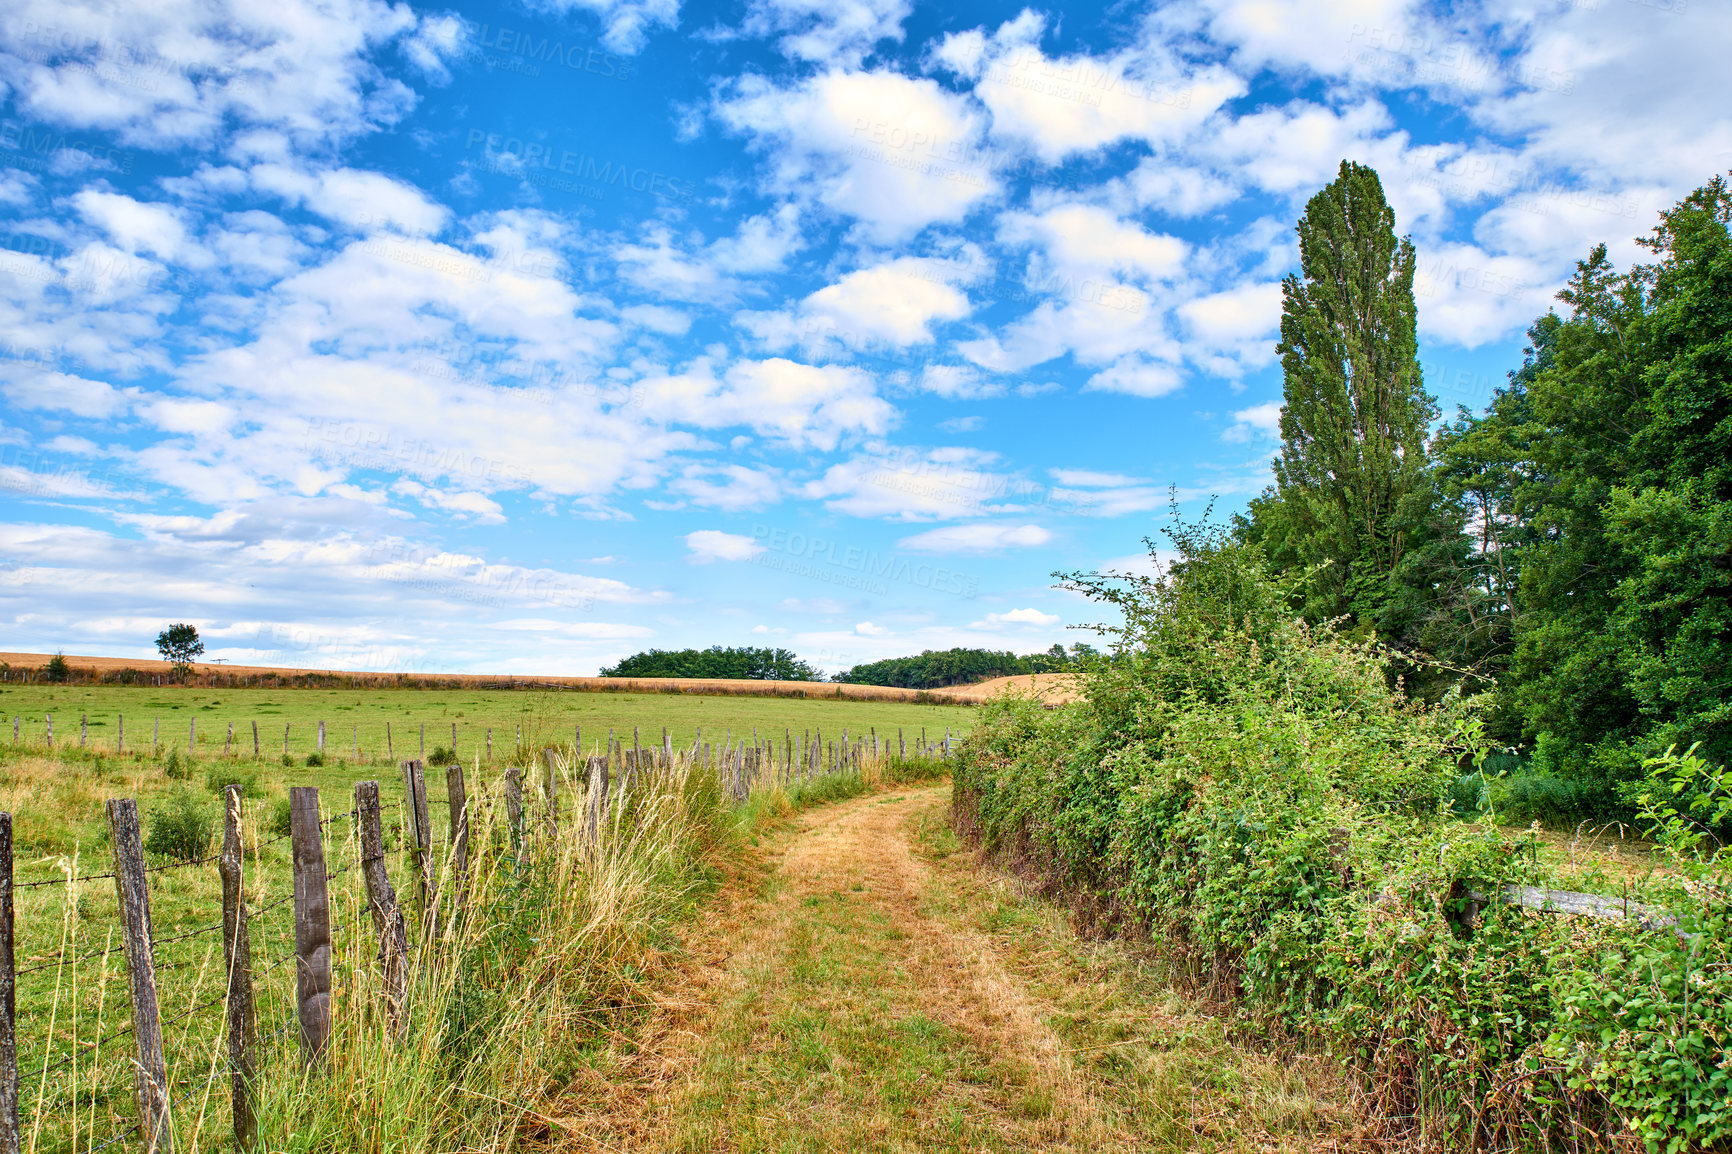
{"type": "Point", "coordinates": [190, 1044]}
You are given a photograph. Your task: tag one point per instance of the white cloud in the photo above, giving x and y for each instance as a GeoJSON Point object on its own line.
{"type": "Point", "coordinates": [1060, 106]}
{"type": "Point", "coordinates": [942, 484]}
{"type": "Point", "coordinates": [975, 539]}
{"type": "Point", "coordinates": [802, 406]}
{"type": "Point", "coordinates": [833, 32]}
{"type": "Point", "coordinates": [1233, 330]}
{"type": "Point", "coordinates": [626, 24]}
{"type": "Point", "coordinates": [1017, 617]}
{"type": "Point", "coordinates": [365, 201]}
{"type": "Point", "coordinates": [1136, 377]}
{"type": "Point", "coordinates": [730, 488]}
{"type": "Point", "coordinates": [1258, 421]}
{"type": "Point", "coordinates": [133, 225]}
{"type": "Point", "coordinates": [706, 545]}
{"type": "Point", "coordinates": [180, 73]}
{"type": "Point", "coordinates": [890, 305]}
{"type": "Point", "coordinates": [894, 153]}
{"type": "Point", "coordinates": [867, 629]}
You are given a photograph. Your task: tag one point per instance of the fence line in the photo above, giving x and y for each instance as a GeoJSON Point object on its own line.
{"type": "Point", "coordinates": [598, 783]}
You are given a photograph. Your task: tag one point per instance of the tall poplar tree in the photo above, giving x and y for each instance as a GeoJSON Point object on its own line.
{"type": "Point", "coordinates": [1351, 490]}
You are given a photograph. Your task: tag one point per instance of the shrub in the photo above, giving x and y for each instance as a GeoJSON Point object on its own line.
{"type": "Point", "coordinates": [441, 756]}
{"type": "Point", "coordinates": [182, 829]}
{"type": "Point", "coordinates": [315, 760]}
{"type": "Point", "coordinates": [220, 777]}
{"type": "Point", "coordinates": [1259, 798]}
{"type": "Point", "coordinates": [279, 822]}
{"type": "Point", "coordinates": [178, 768]}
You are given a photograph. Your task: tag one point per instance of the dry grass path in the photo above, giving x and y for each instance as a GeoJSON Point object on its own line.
{"type": "Point", "coordinates": [862, 985]}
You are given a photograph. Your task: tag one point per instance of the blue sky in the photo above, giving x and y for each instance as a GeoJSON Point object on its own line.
{"type": "Point", "coordinates": [520, 337]}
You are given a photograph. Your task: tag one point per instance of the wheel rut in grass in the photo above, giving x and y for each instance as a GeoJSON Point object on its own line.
{"type": "Point", "coordinates": [854, 990]}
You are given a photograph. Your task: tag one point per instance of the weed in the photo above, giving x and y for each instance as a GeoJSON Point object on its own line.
{"type": "Point", "coordinates": [180, 829]}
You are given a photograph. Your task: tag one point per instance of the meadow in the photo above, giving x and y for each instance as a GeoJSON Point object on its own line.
{"type": "Point", "coordinates": [568, 940]}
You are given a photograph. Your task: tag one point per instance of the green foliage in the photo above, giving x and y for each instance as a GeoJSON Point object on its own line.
{"type": "Point", "coordinates": [219, 777]}
{"type": "Point", "coordinates": [1256, 795]}
{"type": "Point", "coordinates": [744, 663]}
{"type": "Point", "coordinates": [1351, 491]}
{"type": "Point", "coordinates": [57, 669]}
{"type": "Point", "coordinates": [179, 644]}
{"type": "Point", "coordinates": [175, 766]}
{"type": "Point", "coordinates": [180, 829]}
{"type": "Point", "coordinates": [934, 669]}
{"type": "Point", "coordinates": [315, 759]}
{"type": "Point", "coordinates": [279, 822]}
{"type": "Point", "coordinates": [441, 756]}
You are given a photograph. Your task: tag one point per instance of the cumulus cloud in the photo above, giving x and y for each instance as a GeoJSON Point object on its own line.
{"type": "Point", "coordinates": [1025, 617]}
{"type": "Point", "coordinates": [706, 545]}
{"type": "Point", "coordinates": [1258, 421]}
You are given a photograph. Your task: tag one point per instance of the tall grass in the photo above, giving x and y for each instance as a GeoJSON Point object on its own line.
{"type": "Point", "coordinates": [520, 972]}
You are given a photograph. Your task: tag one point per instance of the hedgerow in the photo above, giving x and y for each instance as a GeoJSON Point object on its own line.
{"type": "Point", "coordinates": [1257, 797]}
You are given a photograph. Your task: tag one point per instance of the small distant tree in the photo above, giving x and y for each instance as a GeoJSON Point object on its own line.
{"type": "Point", "coordinates": [57, 669]}
{"type": "Point", "coordinates": [179, 644]}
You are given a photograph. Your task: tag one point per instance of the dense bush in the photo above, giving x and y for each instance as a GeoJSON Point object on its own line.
{"type": "Point", "coordinates": [937, 668]}
{"type": "Point", "coordinates": [219, 777]}
{"type": "Point", "coordinates": [1255, 795]}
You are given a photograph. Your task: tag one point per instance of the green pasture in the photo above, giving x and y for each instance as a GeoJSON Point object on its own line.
{"type": "Point", "coordinates": [356, 720]}
{"type": "Point", "coordinates": [71, 994]}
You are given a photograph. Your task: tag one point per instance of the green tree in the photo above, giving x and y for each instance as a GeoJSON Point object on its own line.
{"type": "Point", "coordinates": [1606, 471]}
{"type": "Point", "coordinates": [179, 644]}
{"type": "Point", "coordinates": [1351, 493]}
{"type": "Point", "coordinates": [735, 664]}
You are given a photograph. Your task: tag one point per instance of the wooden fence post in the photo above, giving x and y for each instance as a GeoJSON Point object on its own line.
{"type": "Point", "coordinates": [238, 957]}
{"type": "Point", "coordinates": [423, 754]}
{"type": "Point", "coordinates": [120, 733]}
{"type": "Point", "coordinates": [453, 739]}
{"type": "Point", "coordinates": [550, 791]}
{"type": "Point", "coordinates": [597, 799]}
{"type": "Point", "coordinates": [229, 741]}
{"type": "Point", "coordinates": [132, 888]}
{"type": "Point", "coordinates": [388, 754]}
{"type": "Point", "coordinates": [489, 743]}
{"type": "Point", "coordinates": [458, 800]}
{"type": "Point", "coordinates": [321, 737]}
{"type": "Point", "coordinates": [49, 717]}
{"type": "Point", "coordinates": [420, 835]}
{"type": "Point", "coordinates": [255, 739]}
{"type": "Point", "coordinates": [10, 1141]}
{"type": "Point", "coordinates": [191, 735]}
{"type": "Point", "coordinates": [312, 924]}
{"type": "Point", "coordinates": [286, 738]}
{"type": "Point", "coordinates": [83, 729]}
{"type": "Point", "coordinates": [387, 915]}
{"type": "Point", "coordinates": [514, 809]}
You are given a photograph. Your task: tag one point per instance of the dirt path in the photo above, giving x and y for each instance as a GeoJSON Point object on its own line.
{"type": "Point", "coordinates": [865, 987]}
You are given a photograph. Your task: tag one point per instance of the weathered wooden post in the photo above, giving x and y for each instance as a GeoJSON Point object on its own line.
{"type": "Point", "coordinates": [382, 899]}
{"type": "Point", "coordinates": [83, 729]}
{"type": "Point", "coordinates": [420, 840]}
{"type": "Point", "coordinates": [132, 888]}
{"type": "Point", "coordinates": [119, 733]}
{"type": "Point", "coordinates": [489, 743]}
{"type": "Point", "coordinates": [423, 754]}
{"type": "Point", "coordinates": [597, 800]}
{"type": "Point", "coordinates": [238, 959]}
{"type": "Point", "coordinates": [10, 1140]}
{"type": "Point", "coordinates": [388, 753]}
{"type": "Point", "coordinates": [312, 925]}
{"type": "Point", "coordinates": [255, 739]}
{"type": "Point", "coordinates": [514, 809]}
{"type": "Point", "coordinates": [286, 738]}
{"type": "Point", "coordinates": [229, 741]}
{"type": "Point", "coordinates": [191, 735]}
{"type": "Point", "coordinates": [49, 717]}
{"type": "Point", "coordinates": [458, 800]}
{"type": "Point", "coordinates": [321, 737]}
{"type": "Point", "coordinates": [453, 739]}
{"type": "Point", "coordinates": [550, 790]}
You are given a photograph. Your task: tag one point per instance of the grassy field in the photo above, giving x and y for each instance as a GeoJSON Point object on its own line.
{"type": "Point", "coordinates": [74, 1012]}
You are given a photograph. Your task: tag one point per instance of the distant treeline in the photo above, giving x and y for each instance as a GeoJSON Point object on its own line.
{"type": "Point", "coordinates": [744, 663]}
{"type": "Point", "coordinates": [935, 669]}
